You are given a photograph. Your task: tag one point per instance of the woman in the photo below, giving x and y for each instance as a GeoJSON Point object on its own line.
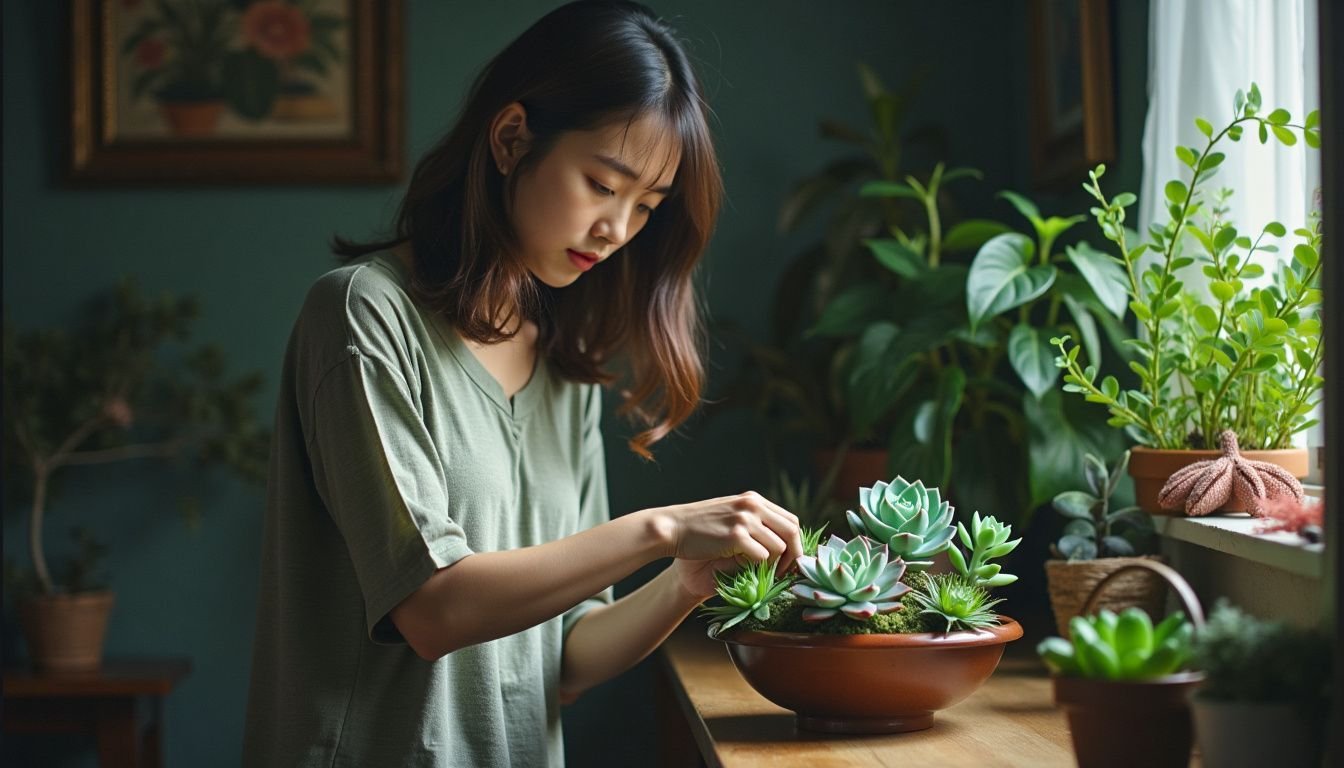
{"type": "Point", "coordinates": [438, 559]}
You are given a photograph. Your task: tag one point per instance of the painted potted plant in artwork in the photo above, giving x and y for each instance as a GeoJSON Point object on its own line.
{"type": "Point", "coordinates": [1125, 683]}
{"type": "Point", "coordinates": [97, 395]}
{"type": "Point", "coordinates": [1241, 355]}
{"type": "Point", "coordinates": [1266, 692]}
{"type": "Point", "coordinates": [1098, 540]}
{"type": "Point", "coordinates": [864, 639]}
{"type": "Point", "coordinates": [255, 58]}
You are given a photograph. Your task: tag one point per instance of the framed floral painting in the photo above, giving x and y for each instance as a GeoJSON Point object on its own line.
{"type": "Point", "coordinates": [236, 91]}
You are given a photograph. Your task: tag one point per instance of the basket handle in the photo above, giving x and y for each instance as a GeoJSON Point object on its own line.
{"type": "Point", "coordinates": [1176, 581]}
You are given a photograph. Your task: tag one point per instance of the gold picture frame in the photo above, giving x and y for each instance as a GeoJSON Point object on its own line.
{"type": "Point", "coordinates": [1072, 114]}
{"type": "Point", "coordinates": [236, 91]}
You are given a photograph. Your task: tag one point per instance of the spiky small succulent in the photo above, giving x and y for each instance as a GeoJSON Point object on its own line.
{"type": "Point", "coordinates": [986, 539]}
{"type": "Point", "coordinates": [747, 592]}
{"type": "Point", "coordinates": [812, 539]}
{"type": "Point", "coordinates": [854, 578]}
{"type": "Point", "coordinates": [958, 601]}
{"type": "Point", "coordinates": [910, 519]}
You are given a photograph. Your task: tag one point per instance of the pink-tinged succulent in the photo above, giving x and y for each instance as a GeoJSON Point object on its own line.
{"type": "Point", "coordinates": [1206, 486]}
{"type": "Point", "coordinates": [854, 578]}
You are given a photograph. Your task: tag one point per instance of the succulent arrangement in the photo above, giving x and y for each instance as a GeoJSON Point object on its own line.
{"type": "Point", "coordinates": [1242, 354]}
{"type": "Point", "coordinates": [1094, 529]}
{"type": "Point", "coordinates": [876, 582]}
{"type": "Point", "coordinates": [1120, 647]}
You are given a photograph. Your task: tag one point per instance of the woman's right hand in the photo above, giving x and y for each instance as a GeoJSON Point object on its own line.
{"type": "Point", "coordinates": [746, 526]}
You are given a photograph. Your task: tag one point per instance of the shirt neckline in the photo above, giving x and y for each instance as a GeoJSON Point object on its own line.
{"type": "Point", "coordinates": [522, 402]}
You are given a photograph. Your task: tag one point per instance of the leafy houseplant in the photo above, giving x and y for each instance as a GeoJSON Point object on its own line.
{"type": "Point", "coordinates": [101, 395]}
{"type": "Point", "coordinates": [1266, 692]}
{"type": "Point", "coordinates": [1096, 541]}
{"type": "Point", "coordinates": [1121, 679]}
{"type": "Point", "coordinates": [1243, 355]}
{"type": "Point", "coordinates": [862, 640]}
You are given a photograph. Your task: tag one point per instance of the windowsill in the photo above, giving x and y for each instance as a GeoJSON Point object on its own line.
{"type": "Point", "coordinates": [1235, 535]}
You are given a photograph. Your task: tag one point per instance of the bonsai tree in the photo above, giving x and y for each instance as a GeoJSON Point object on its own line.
{"type": "Point", "coordinates": [105, 392]}
{"type": "Point", "coordinates": [876, 582]}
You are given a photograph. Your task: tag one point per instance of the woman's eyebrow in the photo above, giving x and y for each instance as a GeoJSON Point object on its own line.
{"type": "Point", "coordinates": [625, 170]}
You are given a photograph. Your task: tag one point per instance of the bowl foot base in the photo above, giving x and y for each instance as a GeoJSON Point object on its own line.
{"type": "Point", "coordinates": [900, 724]}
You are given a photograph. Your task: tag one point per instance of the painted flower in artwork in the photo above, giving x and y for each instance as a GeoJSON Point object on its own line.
{"type": "Point", "coordinates": [276, 29]}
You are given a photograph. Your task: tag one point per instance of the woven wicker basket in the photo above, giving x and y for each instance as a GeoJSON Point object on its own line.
{"type": "Point", "coordinates": [1071, 583]}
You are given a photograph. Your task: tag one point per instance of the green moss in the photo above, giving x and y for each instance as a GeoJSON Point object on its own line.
{"type": "Point", "coordinates": [786, 615]}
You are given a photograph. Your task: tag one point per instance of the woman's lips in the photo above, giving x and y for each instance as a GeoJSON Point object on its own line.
{"type": "Point", "coordinates": [582, 261]}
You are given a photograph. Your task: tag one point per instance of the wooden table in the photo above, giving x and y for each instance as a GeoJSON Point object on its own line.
{"type": "Point", "coordinates": [710, 716]}
{"type": "Point", "coordinates": [101, 703]}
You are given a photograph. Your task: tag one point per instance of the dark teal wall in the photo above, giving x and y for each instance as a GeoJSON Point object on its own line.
{"type": "Point", "coordinates": [772, 68]}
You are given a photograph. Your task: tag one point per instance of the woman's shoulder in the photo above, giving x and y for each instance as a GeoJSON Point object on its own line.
{"type": "Point", "coordinates": [364, 305]}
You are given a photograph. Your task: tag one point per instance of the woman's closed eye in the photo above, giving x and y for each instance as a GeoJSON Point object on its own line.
{"type": "Point", "coordinates": [605, 191]}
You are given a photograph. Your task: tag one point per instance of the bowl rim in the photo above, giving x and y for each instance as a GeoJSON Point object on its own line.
{"type": "Point", "coordinates": [1006, 631]}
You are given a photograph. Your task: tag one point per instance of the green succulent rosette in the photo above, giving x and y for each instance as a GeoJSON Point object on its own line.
{"type": "Point", "coordinates": [913, 521]}
{"type": "Point", "coordinates": [854, 578]}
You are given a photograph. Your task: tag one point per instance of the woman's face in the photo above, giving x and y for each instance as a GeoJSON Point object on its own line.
{"type": "Point", "coordinates": [590, 195]}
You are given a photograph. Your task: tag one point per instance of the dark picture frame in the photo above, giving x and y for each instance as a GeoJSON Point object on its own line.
{"type": "Point", "coordinates": [1072, 103]}
{"type": "Point", "coordinates": [321, 104]}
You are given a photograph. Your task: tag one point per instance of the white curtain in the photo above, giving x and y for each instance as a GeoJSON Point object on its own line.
{"type": "Point", "coordinates": [1200, 52]}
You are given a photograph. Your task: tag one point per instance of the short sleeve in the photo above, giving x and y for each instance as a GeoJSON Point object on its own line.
{"type": "Point", "coordinates": [383, 483]}
{"type": "Point", "coordinates": [593, 509]}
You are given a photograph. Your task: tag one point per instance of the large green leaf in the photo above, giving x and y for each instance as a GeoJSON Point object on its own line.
{"type": "Point", "coordinates": [896, 256]}
{"type": "Point", "coordinates": [972, 234]}
{"type": "Point", "coordinates": [1087, 327]}
{"type": "Point", "coordinates": [1059, 433]}
{"type": "Point", "coordinates": [1107, 279]}
{"type": "Point", "coordinates": [1033, 358]}
{"type": "Point", "coordinates": [879, 366]}
{"type": "Point", "coordinates": [851, 311]}
{"type": "Point", "coordinates": [921, 445]}
{"type": "Point", "coordinates": [1116, 332]}
{"type": "Point", "coordinates": [1002, 277]}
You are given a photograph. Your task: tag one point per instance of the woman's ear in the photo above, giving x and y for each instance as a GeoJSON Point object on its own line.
{"type": "Point", "coordinates": [509, 137]}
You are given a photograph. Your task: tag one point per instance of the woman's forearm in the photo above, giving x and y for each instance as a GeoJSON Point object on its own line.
{"type": "Point", "coordinates": [492, 594]}
{"type": "Point", "coordinates": [612, 638]}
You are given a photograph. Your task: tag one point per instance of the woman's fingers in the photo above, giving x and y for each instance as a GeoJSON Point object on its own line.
{"type": "Point", "coordinates": [777, 531]}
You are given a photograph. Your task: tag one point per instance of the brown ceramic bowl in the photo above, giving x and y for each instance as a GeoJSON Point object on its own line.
{"type": "Point", "coordinates": [868, 683]}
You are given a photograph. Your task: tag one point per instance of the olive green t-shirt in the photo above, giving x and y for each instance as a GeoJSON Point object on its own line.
{"type": "Point", "coordinates": [395, 454]}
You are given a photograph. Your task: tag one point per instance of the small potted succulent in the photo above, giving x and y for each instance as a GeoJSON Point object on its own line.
{"type": "Point", "coordinates": [1124, 682]}
{"type": "Point", "coordinates": [1266, 692]}
{"type": "Point", "coordinates": [1098, 540]}
{"type": "Point", "coordinates": [1241, 355]}
{"type": "Point", "coordinates": [863, 639]}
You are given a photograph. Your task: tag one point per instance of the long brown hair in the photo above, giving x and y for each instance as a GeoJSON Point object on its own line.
{"type": "Point", "coordinates": [583, 66]}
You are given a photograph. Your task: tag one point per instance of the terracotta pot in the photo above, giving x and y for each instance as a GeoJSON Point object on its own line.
{"type": "Point", "coordinates": [1126, 723]}
{"type": "Point", "coordinates": [65, 632]}
{"type": "Point", "coordinates": [1151, 467]}
{"type": "Point", "coordinates": [1252, 733]}
{"type": "Point", "coordinates": [868, 683]}
{"type": "Point", "coordinates": [1070, 584]}
{"type": "Point", "coordinates": [860, 469]}
{"type": "Point", "coordinates": [191, 119]}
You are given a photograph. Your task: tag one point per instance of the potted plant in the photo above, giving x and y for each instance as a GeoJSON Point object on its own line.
{"type": "Point", "coordinates": [1124, 683]}
{"type": "Point", "coordinates": [99, 395]}
{"type": "Point", "coordinates": [1096, 541]}
{"type": "Point", "coordinates": [1242, 355]}
{"type": "Point", "coordinates": [1266, 691]}
{"type": "Point", "coordinates": [864, 639]}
